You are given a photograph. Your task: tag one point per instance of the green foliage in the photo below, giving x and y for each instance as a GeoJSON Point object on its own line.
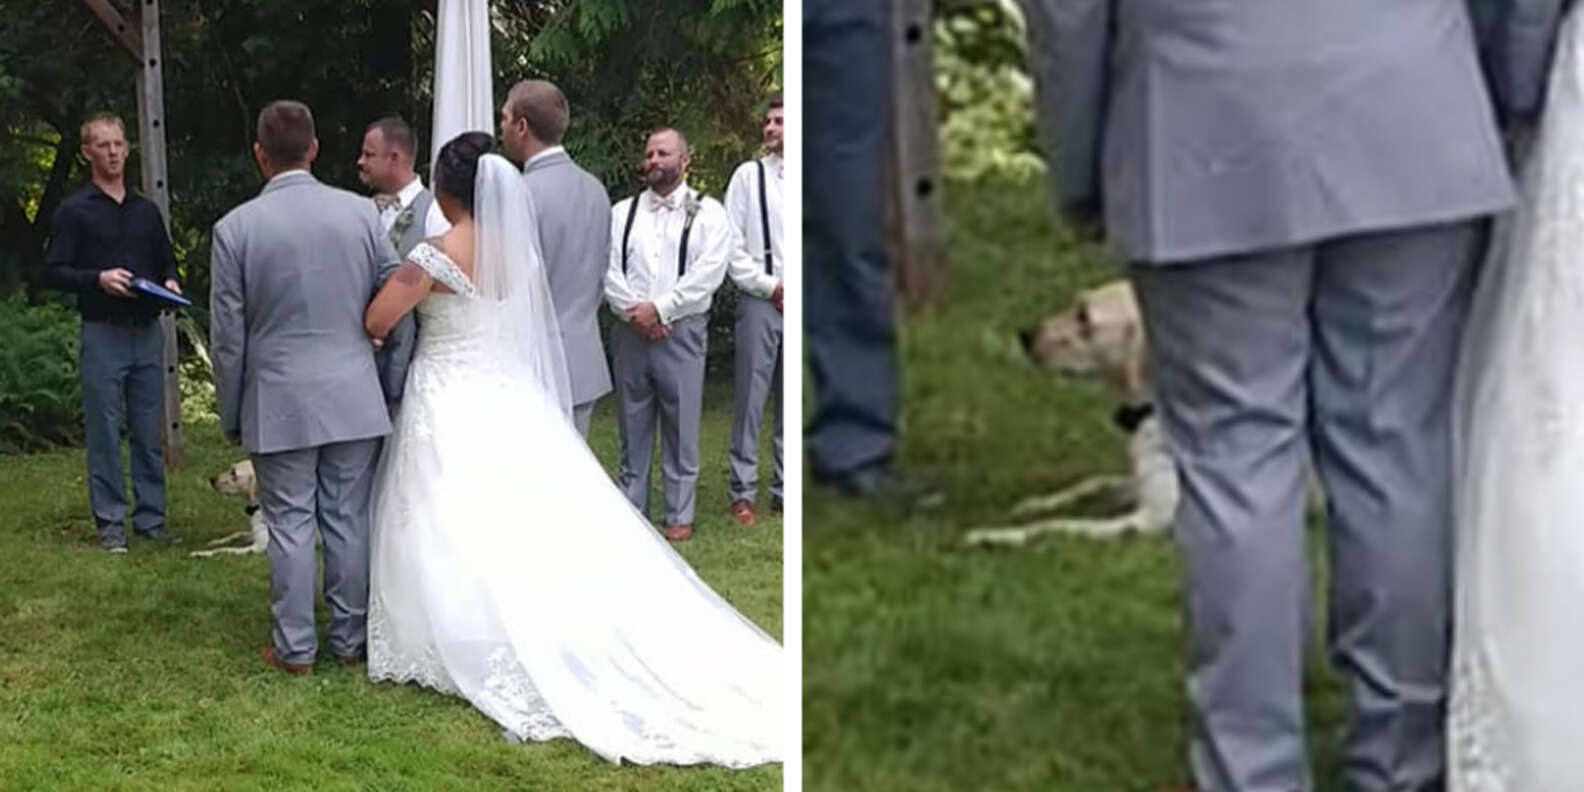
{"type": "Point", "coordinates": [627, 66]}
{"type": "Point", "coordinates": [40, 392]}
{"type": "Point", "coordinates": [630, 66]}
{"type": "Point", "coordinates": [985, 93]}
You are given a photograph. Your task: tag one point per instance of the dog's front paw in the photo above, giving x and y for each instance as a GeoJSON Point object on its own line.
{"type": "Point", "coordinates": [993, 537]}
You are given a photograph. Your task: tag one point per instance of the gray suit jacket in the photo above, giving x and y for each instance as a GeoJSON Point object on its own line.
{"type": "Point", "coordinates": [573, 211]}
{"type": "Point", "coordinates": [1203, 129]}
{"type": "Point", "coordinates": [291, 275]}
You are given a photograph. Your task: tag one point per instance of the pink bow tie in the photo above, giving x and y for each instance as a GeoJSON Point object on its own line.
{"type": "Point", "coordinates": [656, 203]}
{"type": "Point", "coordinates": [385, 201]}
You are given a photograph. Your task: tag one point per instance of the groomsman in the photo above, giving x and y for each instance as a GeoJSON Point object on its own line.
{"type": "Point", "coordinates": [574, 217]}
{"type": "Point", "coordinates": [408, 214]}
{"type": "Point", "coordinates": [670, 252]}
{"type": "Point", "coordinates": [753, 201]}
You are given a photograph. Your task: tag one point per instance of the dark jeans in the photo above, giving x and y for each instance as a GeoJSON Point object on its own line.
{"type": "Point", "coordinates": [121, 367]}
{"type": "Point", "coordinates": [848, 294]}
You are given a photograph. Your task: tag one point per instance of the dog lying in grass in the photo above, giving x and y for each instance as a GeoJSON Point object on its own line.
{"type": "Point", "coordinates": [1101, 336]}
{"type": "Point", "coordinates": [238, 481]}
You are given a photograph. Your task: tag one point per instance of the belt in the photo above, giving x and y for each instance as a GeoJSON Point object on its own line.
{"type": "Point", "coordinates": [123, 320]}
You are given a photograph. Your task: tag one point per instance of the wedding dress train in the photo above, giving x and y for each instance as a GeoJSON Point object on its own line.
{"type": "Point", "coordinates": [509, 570]}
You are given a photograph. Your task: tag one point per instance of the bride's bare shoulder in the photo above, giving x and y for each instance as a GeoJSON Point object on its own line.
{"type": "Point", "coordinates": [457, 245]}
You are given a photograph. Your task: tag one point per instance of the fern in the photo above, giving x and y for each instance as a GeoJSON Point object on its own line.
{"type": "Point", "coordinates": [40, 393]}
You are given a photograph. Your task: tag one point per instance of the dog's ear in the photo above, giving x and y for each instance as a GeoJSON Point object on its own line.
{"type": "Point", "coordinates": [1135, 370]}
{"type": "Point", "coordinates": [1085, 321]}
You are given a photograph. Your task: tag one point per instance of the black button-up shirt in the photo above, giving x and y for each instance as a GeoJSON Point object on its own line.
{"type": "Point", "coordinates": [92, 233]}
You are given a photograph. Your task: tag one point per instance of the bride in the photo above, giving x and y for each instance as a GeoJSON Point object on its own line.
{"type": "Point", "coordinates": [507, 568]}
{"type": "Point", "coordinates": [1517, 708]}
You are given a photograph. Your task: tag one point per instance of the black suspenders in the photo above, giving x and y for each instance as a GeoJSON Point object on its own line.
{"type": "Point", "coordinates": [687, 228]}
{"type": "Point", "coordinates": [764, 217]}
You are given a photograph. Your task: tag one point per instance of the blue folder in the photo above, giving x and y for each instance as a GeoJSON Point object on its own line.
{"type": "Point", "coordinates": [151, 289]}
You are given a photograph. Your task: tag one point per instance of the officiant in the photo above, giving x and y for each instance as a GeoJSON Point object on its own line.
{"type": "Point", "coordinates": [102, 238]}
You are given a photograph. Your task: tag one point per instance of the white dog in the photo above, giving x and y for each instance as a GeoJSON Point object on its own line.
{"type": "Point", "coordinates": [238, 481]}
{"type": "Point", "coordinates": [1101, 336]}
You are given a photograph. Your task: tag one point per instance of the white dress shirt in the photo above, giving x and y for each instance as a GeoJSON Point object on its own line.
{"type": "Point", "coordinates": [747, 268]}
{"type": "Point", "coordinates": [435, 223]}
{"type": "Point", "coordinates": [653, 246]}
{"type": "Point", "coordinates": [288, 172]}
{"type": "Point", "coordinates": [541, 155]}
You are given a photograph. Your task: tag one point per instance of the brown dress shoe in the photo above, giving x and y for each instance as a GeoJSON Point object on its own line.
{"type": "Point", "coordinates": [358, 658]}
{"type": "Point", "coordinates": [743, 512]}
{"type": "Point", "coordinates": [267, 654]}
{"type": "Point", "coordinates": [679, 533]}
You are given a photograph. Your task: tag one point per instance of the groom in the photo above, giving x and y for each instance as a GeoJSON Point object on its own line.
{"type": "Point", "coordinates": [1301, 191]}
{"type": "Point", "coordinates": [296, 382]}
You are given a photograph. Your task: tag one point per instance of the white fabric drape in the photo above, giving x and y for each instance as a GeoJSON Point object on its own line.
{"type": "Point", "coordinates": [463, 90]}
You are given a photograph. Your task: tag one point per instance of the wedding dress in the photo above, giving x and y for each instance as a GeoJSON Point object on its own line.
{"type": "Point", "coordinates": [1517, 710]}
{"type": "Point", "coordinates": [509, 570]}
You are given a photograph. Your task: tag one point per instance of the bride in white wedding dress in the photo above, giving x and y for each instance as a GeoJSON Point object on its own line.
{"type": "Point", "coordinates": [507, 568]}
{"type": "Point", "coordinates": [1517, 711]}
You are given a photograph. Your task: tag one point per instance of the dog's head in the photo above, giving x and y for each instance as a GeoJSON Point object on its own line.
{"type": "Point", "coordinates": [237, 480]}
{"type": "Point", "coordinates": [1100, 335]}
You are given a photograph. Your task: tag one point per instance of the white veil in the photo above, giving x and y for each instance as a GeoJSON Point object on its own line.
{"type": "Point", "coordinates": [514, 291]}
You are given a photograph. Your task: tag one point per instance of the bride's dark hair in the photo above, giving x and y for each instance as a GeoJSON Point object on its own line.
{"type": "Point", "coordinates": [456, 167]}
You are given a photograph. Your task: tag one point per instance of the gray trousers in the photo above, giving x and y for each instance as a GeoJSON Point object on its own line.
{"type": "Point", "coordinates": [122, 376]}
{"type": "Point", "coordinates": [661, 382]}
{"type": "Point", "coordinates": [758, 374]}
{"type": "Point", "coordinates": [583, 417]}
{"type": "Point", "coordinates": [1343, 353]}
{"type": "Point", "coordinates": [850, 325]}
{"type": "Point", "coordinates": [327, 487]}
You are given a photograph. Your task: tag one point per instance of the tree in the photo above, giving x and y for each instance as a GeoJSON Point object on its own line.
{"type": "Point", "coordinates": [627, 66]}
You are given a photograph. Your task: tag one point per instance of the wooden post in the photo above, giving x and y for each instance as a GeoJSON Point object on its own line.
{"type": "Point", "coordinates": [914, 194]}
{"type": "Point", "coordinates": [156, 185]}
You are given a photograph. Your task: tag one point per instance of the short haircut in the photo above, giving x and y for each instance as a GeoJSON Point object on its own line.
{"type": "Point", "coordinates": [286, 131]}
{"type": "Point", "coordinates": [85, 132]}
{"type": "Point", "coordinates": [398, 134]}
{"type": "Point", "coordinates": [775, 102]}
{"type": "Point", "coordinates": [673, 130]}
{"type": "Point", "coordinates": [543, 106]}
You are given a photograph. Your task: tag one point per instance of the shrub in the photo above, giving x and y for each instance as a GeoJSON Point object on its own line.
{"type": "Point", "coordinates": [40, 393]}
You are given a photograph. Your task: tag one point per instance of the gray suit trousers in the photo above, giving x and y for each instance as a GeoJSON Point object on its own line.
{"type": "Point", "coordinates": [1341, 352]}
{"type": "Point", "coordinates": [328, 487]}
{"type": "Point", "coordinates": [583, 417]}
{"type": "Point", "coordinates": [122, 370]}
{"type": "Point", "coordinates": [661, 382]}
{"type": "Point", "coordinates": [758, 375]}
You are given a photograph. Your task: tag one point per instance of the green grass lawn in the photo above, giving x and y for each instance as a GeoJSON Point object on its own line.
{"type": "Point", "coordinates": [928, 666]}
{"type": "Point", "coordinates": [139, 671]}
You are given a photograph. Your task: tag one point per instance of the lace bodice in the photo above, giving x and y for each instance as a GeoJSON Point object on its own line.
{"type": "Point", "coordinates": [451, 325]}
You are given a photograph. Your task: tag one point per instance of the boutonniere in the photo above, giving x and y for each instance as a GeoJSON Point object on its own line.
{"type": "Point", "coordinates": [403, 222]}
{"type": "Point", "coordinates": [690, 205]}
